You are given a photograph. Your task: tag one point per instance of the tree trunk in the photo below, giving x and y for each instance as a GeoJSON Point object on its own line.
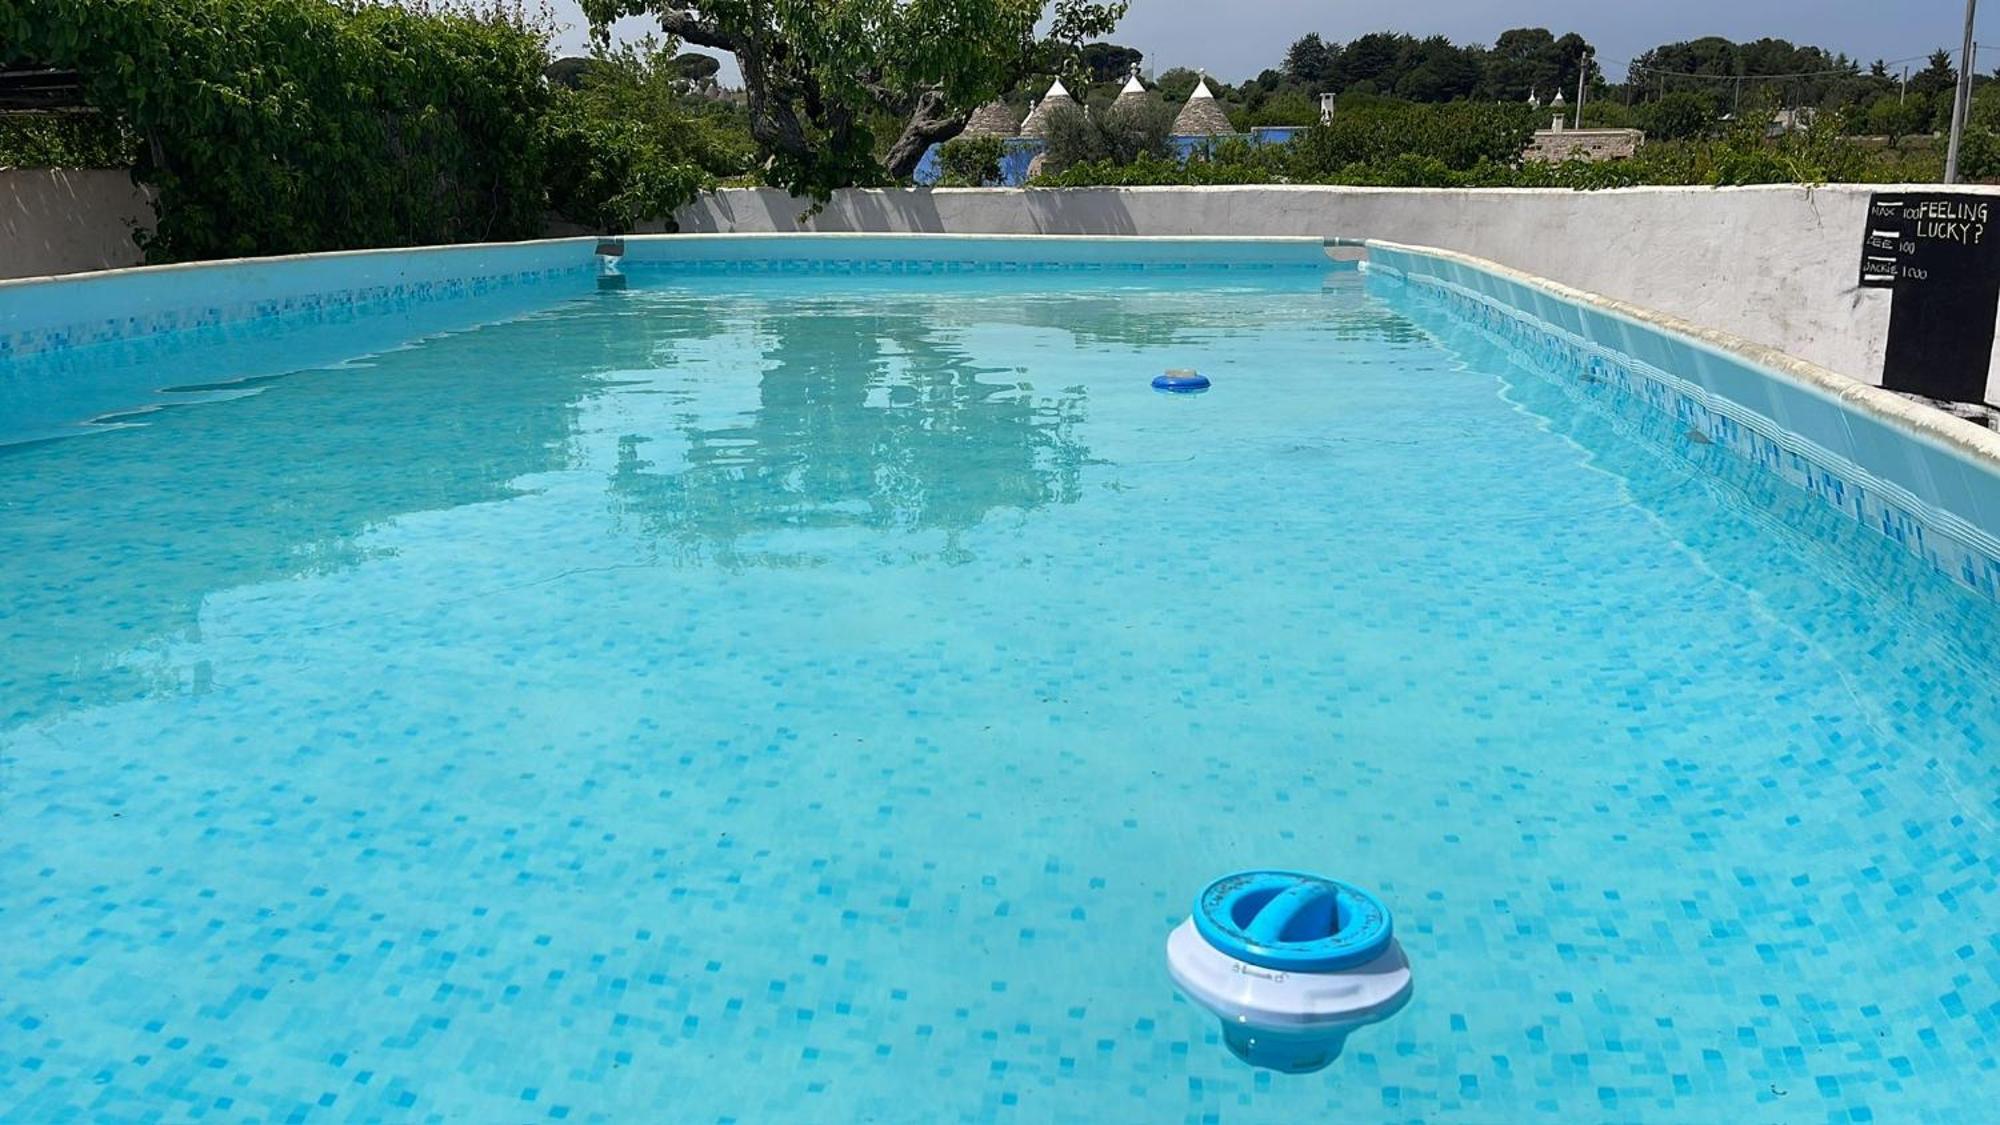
{"type": "Point", "coordinates": [930, 123]}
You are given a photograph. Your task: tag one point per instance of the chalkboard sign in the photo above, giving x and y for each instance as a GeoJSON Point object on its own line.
{"type": "Point", "coordinates": [1940, 254]}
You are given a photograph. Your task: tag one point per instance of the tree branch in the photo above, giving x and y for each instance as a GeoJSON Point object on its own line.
{"type": "Point", "coordinates": [930, 122]}
{"type": "Point", "coordinates": [684, 25]}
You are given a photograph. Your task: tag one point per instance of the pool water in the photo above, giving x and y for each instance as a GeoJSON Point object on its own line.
{"type": "Point", "coordinates": [792, 698]}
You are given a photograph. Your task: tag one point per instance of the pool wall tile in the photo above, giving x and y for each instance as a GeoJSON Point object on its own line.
{"type": "Point", "coordinates": [530, 768]}
{"type": "Point", "coordinates": [865, 254]}
{"type": "Point", "coordinates": [40, 315]}
{"type": "Point", "coordinates": [1939, 503]}
{"type": "Point", "coordinates": [1935, 500]}
{"type": "Point", "coordinates": [45, 315]}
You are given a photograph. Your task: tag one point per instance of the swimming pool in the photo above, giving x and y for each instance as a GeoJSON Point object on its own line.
{"type": "Point", "coordinates": [776, 693]}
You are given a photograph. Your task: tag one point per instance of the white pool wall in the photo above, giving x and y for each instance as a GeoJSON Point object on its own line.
{"type": "Point", "coordinates": [869, 252]}
{"type": "Point", "coordinates": [1922, 478]}
{"type": "Point", "coordinates": [1777, 265]}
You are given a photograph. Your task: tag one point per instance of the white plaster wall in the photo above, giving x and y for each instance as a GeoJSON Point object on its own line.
{"type": "Point", "coordinates": [68, 220]}
{"type": "Point", "coordinates": [1777, 265]}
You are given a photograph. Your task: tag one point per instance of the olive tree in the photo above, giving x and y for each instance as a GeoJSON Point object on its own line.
{"type": "Point", "coordinates": [822, 76]}
{"type": "Point", "coordinates": [1119, 135]}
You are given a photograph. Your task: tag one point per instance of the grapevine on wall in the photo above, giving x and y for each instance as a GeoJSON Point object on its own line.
{"type": "Point", "coordinates": [287, 126]}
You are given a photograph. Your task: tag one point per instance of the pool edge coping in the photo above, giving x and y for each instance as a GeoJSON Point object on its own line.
{"type": "Point", "coordinates": [593, 240]}
{"type": "Point", "coordinates": [1927, 423]}
{"type": "Point", "coordinates": [53, 313]}
{"type": "Point", "coordinates": [165, 268]}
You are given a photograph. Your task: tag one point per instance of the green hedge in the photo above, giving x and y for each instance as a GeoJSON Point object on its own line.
{"type": "Point", "coordinates": [625, 145]}
{"type": "Point", "coordinates": [1418, 147]}
{"type": "Point", "coordinates": [970, 161]}
{"type": "Point", "coordinates": [1458, 135]}
{"type": "Point", "coordinates": [64, 140]}
{"type": "Point", "coordinates": [283, 126]}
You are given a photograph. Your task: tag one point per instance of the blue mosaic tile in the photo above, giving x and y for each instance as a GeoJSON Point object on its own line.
{"type": "Point", "coordinates": [847, 267]}
{"type": "Point", "coordinates": [296, 309]}
{"type": "Point", "coordinates": [816, 697]}
{"type": "Point", "coordinates": [1952, 547]}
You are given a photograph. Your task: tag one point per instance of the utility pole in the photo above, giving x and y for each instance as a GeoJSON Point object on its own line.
{"type": "Point", "coordinates": [1903, 91]}
{"type": "Point", "coordinates": [1961, 98]}
{"type": "Point", "coordinates": [1583, 71]}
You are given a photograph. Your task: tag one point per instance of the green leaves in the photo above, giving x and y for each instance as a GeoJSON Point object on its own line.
{"type": "Point", "coordinates": [1120, 134]}
{"type": "Point", "coordinates": [1466, 145]}
{"type": "Point", "coordinates": [1458, 136]}
{"type": "Point", "coordinates": [843, 92]}
{"type": "Point", "coordinates": [69, 140]}
{"type": "Point", "coordinates": [627, 146]}
{"type": "Point", "coordinates": [970, 162]}
{"type": "Point", "coordinates": [281, 126]}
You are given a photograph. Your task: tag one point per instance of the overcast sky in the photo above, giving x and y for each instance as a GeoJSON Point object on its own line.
{"type": "Point", "coordinates": [1234, 39]}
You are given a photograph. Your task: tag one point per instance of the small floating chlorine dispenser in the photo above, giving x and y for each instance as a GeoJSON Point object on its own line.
{"type": "Point", "coordinates": [1291, 964]}
{"type": "Point", "coordinates": [1181, 380]}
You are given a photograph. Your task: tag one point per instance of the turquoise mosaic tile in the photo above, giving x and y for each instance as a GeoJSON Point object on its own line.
{"type": "Point", "coordinates": [808, 697]}
{"type": "Point", "coordinates": [1944, 540]}
{"type": "Point", "coordinates": [318, 307]}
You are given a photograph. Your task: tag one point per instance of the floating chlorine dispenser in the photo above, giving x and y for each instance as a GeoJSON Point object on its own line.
{"type": "Point", "coordinates": [1290, 963]}
{"type": "Point", "coordinates": [1181, 380]}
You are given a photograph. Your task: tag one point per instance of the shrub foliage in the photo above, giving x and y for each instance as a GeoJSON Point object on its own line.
{"type": "Point", "coordinates": [625, 145]}
{"type": "Point", "coordinates": [64, 140]}
{"type": "Point", "coordinates": [1473, 145]}
{"type": "Point", "coordinates": [1459, 135]}
{"type": "Point", "coordinates": [281, 126]}
{"type": "Point", "coordinates": [1119, 134]}
{"type": "Point", "coordinates": [970, 161]}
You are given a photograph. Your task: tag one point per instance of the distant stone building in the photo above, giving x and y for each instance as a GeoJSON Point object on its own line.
{"type": "Point", "coordinates": [1134, 94]}
{"type": "Point", "coordinates": [994, 119]}
{"type": "Point", "coordinates": [1201, 117]}
{"type": "Point", "coordinates": [1037, 122]}
{"type": "Point", "coordinates": [1791, 121]}
{"type": "Point", "coordinates": [1558, 143]}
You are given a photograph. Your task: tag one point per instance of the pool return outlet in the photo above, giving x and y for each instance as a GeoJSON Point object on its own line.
{"type": "Point", "coordinates": [610, 253]}
{"type": "Point", "coordinates": [1291, 964]}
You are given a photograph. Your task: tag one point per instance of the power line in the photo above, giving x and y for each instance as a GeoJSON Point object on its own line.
{"type": "Point", "coordinates": [1659, 72]}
